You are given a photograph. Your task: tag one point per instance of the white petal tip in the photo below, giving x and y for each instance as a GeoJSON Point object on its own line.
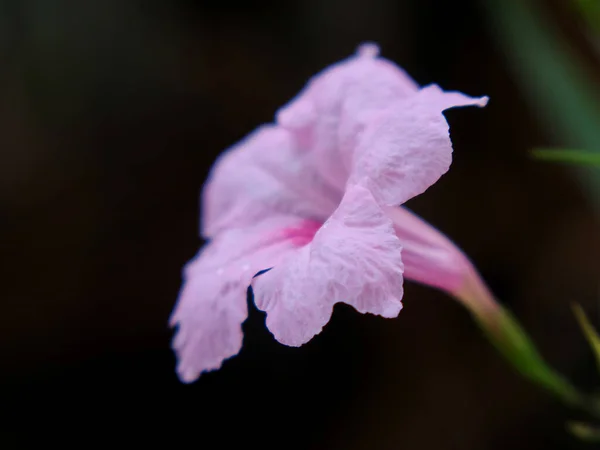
{"type": "Point", "coordinates": [482, 101]}
{"type": "Point", "coordinates": [393, 311]}
{"type": "Point", "coordinates": [188, 376]}
{"type": "Point", "coordinates": [368, 50]}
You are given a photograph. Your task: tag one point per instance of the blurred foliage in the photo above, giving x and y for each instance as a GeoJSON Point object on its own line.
{"type": "Point", "coordinates": [590, 333]}
{"type": "Point", "coordinates": [584, 431]}
{"type": "Point", "coordinates": [590, 10]}
{"type": "Point", "coordinates": [552, 78]}
{"type": "Point", "coordinates": [565, 97]}
{"type": "Point", "coordinates": [580, 157]}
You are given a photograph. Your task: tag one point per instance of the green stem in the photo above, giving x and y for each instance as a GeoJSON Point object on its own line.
{"type": "Point", "coordinates": [511, 340]}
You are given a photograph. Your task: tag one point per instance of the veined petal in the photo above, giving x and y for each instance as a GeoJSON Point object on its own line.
{"type": "Point", "coordinates": [407, 148]}
{"type": "Point", "coordinates": [354, 258]}
{"type": "Point", "coordinates": [212, 302]}
{"type": "Point", "coordinates": [331, 111]}
{"type": "Point", "coordinates": [265, 175]}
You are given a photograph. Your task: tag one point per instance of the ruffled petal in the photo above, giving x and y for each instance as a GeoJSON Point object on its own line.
{"type": "Point", "coordinates": [355, 258]}
{"type": "Point", "coordinates": [407, 148]}
{"type": "Point", "coordinates": [265, 175]}
{"type": "Point", "coordinates": [212, 302]}
{"type": "Point", "coordinates": [331, 111]}
{"type": "Point", "coordinates": [361, 118]}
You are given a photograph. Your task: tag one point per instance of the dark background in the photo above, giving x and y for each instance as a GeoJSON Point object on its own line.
{"type": "Point", "coordinates": [111, 114]}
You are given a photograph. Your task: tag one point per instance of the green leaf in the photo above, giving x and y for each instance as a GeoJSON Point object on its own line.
{"type": "Point", "coordinates": [552, 77]}
{"type": "Point", "coordinates": [588, 329]}
{"type": "Point", "coordinates": [584, 431]}
{"type": "Point", "coordinates": [581, 157]}
{"type": "Point", "coordinates": [590, 10]}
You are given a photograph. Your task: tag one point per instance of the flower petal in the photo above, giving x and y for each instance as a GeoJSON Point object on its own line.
{"type": "Point", "coordinates": [265, 175]}
{"type": "Point", "coordinates": [333, 108]}
{"type": "Point", "coordinates": [432, 259]}
{"type": "Point", "coordinates": [407, 148]}
{"type": "Point", "coordinates": [212, 302]}
{"type": "Point", "coordinates": [429, 256]}
{"type": "Point", "coordinates": [354, 258]}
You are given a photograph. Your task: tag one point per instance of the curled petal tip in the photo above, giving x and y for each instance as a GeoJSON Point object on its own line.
{"type": "Point", "coordinates": [483, 101]}
{"type": "Point", "coordinates": [368, 49]}
{"type": "Point", "coordinates": [187, 376]}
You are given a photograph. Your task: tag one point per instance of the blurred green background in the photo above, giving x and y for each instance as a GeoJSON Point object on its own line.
{"type": "Point", "coordinates": [112, 113]}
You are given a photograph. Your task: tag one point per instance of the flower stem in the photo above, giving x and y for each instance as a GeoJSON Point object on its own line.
{"type": "Point", "coordinates": [511, 340]}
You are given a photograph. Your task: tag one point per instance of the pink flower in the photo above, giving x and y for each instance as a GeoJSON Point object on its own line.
{"type": "Point", "coordinates": [314, 197]}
